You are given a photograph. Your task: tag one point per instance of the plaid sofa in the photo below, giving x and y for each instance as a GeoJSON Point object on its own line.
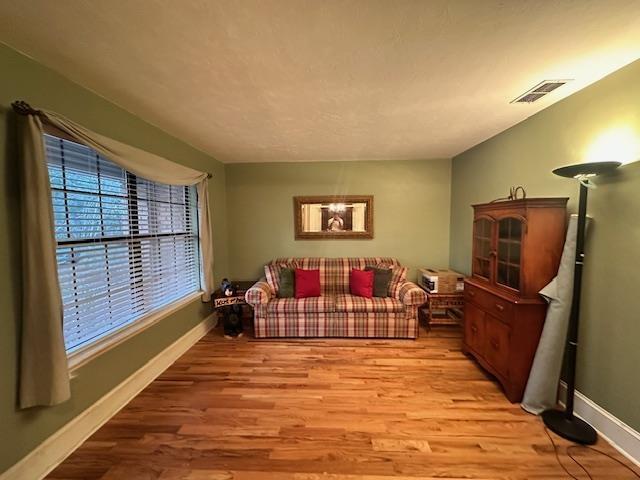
{"type": "Point", "coordinates": [336, 313]}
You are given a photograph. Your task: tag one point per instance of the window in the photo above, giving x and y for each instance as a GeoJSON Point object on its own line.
{"type": "Point", "coordinates": [126, 246]}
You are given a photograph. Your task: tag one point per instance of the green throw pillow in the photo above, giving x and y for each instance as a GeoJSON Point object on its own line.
{"type": "Point", "coordinates": [381, 280]}
{"type": "Point", "coordinates": [287, 282]}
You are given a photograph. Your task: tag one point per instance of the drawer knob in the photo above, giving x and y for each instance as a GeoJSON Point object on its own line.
{"type": "Point", "coordinates": [500, 307]}
{"type": "Point", "coordinates": [495, 344]}
{"type": "Point", "coordinates": [472, 293]}
{"type": "Point", "coordinates": [474, 329]}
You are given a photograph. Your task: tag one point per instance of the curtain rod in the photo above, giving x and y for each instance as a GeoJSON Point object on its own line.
{"type": "Point", "coordinates": [23, 108]}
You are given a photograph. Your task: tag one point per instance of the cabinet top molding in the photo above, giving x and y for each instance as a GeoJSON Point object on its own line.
{"type": "Point", "coordinates": [525, 203]}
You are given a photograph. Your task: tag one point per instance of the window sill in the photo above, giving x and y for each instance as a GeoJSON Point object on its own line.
{"type": "Point", "coordinates": [84, 355]}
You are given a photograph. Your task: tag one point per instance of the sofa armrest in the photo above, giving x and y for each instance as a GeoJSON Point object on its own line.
{"type": "Point", "coordinates": [259, 293]}
{"type": "Point", "coordinates": [412, 294]}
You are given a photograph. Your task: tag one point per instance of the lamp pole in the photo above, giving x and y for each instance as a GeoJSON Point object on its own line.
{"type": "Point", "coordinates": [574, 319]}
{"type": "Point", "coordinates": [565, 423]}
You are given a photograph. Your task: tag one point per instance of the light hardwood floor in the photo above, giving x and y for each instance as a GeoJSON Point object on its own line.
{"type": "Point", "coordinates": [326, 410]}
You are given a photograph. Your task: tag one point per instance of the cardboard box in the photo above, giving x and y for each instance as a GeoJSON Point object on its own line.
{"type": "Point", "coordinates": [443, 281]}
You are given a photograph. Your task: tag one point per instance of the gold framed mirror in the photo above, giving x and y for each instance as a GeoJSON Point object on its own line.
{"type": "Point", "coordinates": [333, 217]}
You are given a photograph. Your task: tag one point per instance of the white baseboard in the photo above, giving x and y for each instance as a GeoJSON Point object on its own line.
{"type": "Point", "coordinates": [623, 438]}
{"type": "Point", "coordinates": [62, 443]}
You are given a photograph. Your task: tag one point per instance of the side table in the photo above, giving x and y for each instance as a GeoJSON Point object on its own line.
{"type": "Point", "coordinates": [442, 309]}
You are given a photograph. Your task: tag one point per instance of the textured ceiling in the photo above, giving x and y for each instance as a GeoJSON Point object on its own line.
{"type": "Point", "coordinates": [278, 80]}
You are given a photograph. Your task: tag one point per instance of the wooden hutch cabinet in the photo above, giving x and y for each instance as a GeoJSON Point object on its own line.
{"type": "Point", "coordinates": [517, 246]}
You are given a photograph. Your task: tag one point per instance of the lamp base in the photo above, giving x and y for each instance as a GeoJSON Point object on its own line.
{"type": "Point", "coordinates": [572, 428]}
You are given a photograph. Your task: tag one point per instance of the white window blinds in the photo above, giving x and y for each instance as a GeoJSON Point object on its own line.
{"type": "Point", "coordinates": [125, 246]}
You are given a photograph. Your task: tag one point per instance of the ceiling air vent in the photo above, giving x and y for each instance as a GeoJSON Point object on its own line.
{"type": "Point", "coordinates": [539, 91]}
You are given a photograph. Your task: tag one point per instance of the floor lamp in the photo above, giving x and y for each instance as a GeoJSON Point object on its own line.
{"type": "Point", "coordinates": [565, 423]}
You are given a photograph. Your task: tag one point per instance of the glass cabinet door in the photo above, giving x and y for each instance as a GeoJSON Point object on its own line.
{"type": "Point", "coordinates": [509, 250]}
{"type": "Point", "coordinates": [482, 232]}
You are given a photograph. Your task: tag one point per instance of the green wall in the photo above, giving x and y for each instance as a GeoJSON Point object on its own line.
{"type": "Point", "coordinates": [22, 78]}
{"type": "Point", "coordinates": [411, 211]}
{"type": "Point", "coordinates": [525, 155]}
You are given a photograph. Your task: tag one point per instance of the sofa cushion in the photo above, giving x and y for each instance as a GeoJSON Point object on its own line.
{"type": "Point", "coordinates": [381, 280]}
{"type": "Point", "coordinates": [302, 305]}
{"type": "Point", "coordinates": [352, 303]}
{"type": "Point", "coordinates": [361, 283]}
{"type": "Point", "coordinates": [287, 283]}
{"type": "Point", "coordinates": [334, 272]}
{"type": "Point", "coordinates": [272, 273]}
{"type": "Point", "coordinates": [307, 283]}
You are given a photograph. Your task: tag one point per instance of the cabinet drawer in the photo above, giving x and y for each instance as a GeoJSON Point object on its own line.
{"type": "Point", "coordinates": [497, 338]}
{"type": "Point", "coordinates": [490, 303]}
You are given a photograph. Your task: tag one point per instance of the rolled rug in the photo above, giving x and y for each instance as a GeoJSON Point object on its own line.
{"type": "Point", "coordinates": [541, 391]}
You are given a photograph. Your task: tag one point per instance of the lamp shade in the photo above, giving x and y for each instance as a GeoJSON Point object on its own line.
{"type": "Point", "coordinates": [589, 168]}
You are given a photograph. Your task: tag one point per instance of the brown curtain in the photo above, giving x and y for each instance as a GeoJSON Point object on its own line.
{"type": "Point", "coordinates": [44, 377]}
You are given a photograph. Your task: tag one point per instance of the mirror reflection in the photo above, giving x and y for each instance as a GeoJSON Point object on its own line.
{"type": "Point", "coordinates": [333, 217]}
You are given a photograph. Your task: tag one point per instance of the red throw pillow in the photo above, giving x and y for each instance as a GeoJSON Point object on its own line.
{"type": "Point", "coordinates": [361, 283]}
{"type": "Point", "coordinates": [307, 283]}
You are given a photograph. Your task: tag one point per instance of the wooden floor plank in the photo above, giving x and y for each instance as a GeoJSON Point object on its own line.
{"type": "Point", "coordinates": [327, 409]}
